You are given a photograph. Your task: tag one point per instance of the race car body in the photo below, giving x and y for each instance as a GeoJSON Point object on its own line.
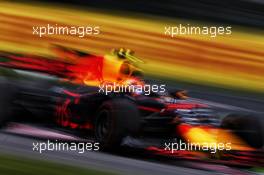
{"type": "Point", "coordinates": [67, 91]}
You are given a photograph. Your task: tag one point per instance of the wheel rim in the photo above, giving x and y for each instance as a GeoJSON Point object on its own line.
{"type": "Point", "coordinates": [103, 125]}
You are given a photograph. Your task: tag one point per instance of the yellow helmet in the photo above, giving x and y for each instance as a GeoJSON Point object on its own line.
{"type": "Point", "coordinates": [123, 53]}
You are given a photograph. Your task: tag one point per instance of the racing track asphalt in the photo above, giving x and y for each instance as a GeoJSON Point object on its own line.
{"type": "Point", "coordinates": [12, 144]}
{"type": "Point", "coordinates": [21, 146]}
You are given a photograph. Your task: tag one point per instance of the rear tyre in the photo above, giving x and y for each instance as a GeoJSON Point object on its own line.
{"type": "Point", "coordinates": [246, 127]}
{"type": "Point", "coordinates": [6, 97]}
{"type": "Point", "coordinates": [116, 119]}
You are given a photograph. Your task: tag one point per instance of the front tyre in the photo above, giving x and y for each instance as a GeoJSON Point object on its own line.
{"type": "Point", "coordinates": [246, 127]}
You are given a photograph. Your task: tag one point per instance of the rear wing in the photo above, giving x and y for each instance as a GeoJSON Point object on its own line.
{"type": "Point", "coordinates": [40, 64]}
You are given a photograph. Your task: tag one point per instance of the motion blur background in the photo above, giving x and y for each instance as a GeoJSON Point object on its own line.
{"type": "Point", "coordinates": [234, 62]}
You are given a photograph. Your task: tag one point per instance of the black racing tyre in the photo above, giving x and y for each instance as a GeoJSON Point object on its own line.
{"type": "Point", "coordinates": [6, 96]}
{"type": "Point", "coordinates": [116, 119]}
{"type": "Point", "coordinates": [247, 127]}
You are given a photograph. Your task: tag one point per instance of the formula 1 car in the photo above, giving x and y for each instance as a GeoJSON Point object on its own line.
{"type": "Point", "coordinates": [66, 90]}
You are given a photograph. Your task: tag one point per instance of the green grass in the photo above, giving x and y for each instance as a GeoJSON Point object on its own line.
{"type": "Point", "coordinates": [12, 165]}
{"type": "Point", "coordinates": [258, 170]}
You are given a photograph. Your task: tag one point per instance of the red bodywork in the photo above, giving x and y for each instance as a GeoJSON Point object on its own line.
{"type": "Point", "coordinates": [76, 71]}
